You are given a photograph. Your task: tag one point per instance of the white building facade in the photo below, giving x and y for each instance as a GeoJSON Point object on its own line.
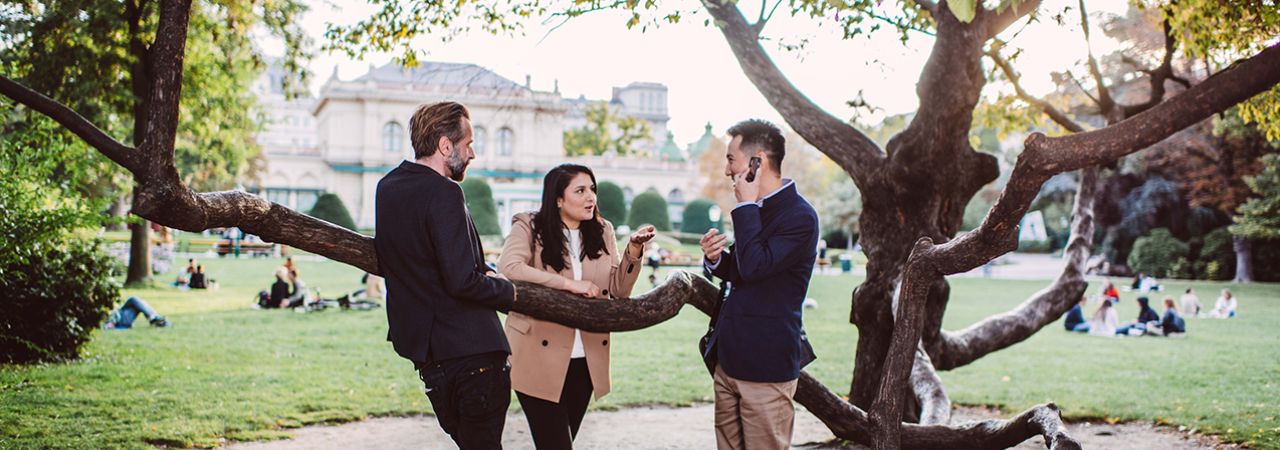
{"type": "Point", "coordinates": [358, 130]}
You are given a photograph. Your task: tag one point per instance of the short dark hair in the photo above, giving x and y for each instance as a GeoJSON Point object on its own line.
{"type": "Point", "coordinates": [759, 134]}
{"type": "Point", "coordinates": [431, 121]}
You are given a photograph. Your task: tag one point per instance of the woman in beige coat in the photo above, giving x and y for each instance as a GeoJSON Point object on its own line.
{"type": "Point", "coordinates": [564, 245]}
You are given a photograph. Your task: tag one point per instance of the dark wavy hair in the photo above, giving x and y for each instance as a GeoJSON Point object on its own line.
{"type": "Point", "coordinates": [548, 229]}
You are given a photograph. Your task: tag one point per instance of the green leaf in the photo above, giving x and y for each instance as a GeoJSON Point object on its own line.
{"type": "Point", "coordinates": [963, 9]}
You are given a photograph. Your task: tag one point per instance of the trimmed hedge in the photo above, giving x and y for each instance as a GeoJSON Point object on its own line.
{"type": "Point", "coordinates": [651, 209]}
{"type": "Point", "coordinates": [329, 208]}
{"type": "Point", "coordinates": [484, 212]}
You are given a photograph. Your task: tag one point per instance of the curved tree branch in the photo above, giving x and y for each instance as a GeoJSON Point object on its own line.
{"type": "Point", "coordinates": [843, 143]}
{"type": "Point", "coordinates": [935, 405]}
{"type": "Point", "coordinates": [117, 152]}
{"type": "Point", "coordinates": [952, 350]}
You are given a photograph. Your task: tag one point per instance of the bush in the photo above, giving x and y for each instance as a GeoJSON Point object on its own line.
{"type": "Point", "coordinates": [484, 212]}
{"type": "Point", "coordinates": [1217, 250]}
{"type": "Point", "coordinates": [1155, 253]}
{"type": "Point", "coordinates": [696, 218]}
{"type": "Point", "coordinates": [57, 287]}
{"type": "Point", "coordinates": [838, 239]}
{"type": "Point", "coordinates": [329, 208]}
{"type": "Point", "coordinates": [649, 208]}
{"type": "Point", "coordinates": [613, 204]}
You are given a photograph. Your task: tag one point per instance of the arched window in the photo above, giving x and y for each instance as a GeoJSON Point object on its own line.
{"type": "Point", "coordinates": [506, 140]}
{"type": "Point", "coordinates": [392, 137]}
{"type": "Point", "coordinates": [479, 136]}
{"type": "Point", "coordinates": [675, 196]}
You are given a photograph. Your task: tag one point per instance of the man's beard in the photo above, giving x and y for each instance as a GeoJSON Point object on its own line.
{"type": "Point", "coordinates": [457, 166]}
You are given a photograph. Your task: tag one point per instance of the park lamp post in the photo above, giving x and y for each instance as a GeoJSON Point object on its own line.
{"type": "Point", "coordinates": [713, 213]}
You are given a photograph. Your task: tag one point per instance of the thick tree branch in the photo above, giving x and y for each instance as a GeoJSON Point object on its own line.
{"type": "Point", "coordinates": [121, 154]}
{"type": "Point", "coordinates": [843, 143]}
{"type": "Point", "coordinates": [167, 53]}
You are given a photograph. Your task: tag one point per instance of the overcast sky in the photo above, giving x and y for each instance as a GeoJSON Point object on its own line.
{"type": "Point", "coordinates": [591, 54]}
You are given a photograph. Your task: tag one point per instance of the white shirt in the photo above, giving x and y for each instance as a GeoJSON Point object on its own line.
{"type": "Point", "coordinates": [575, 261]}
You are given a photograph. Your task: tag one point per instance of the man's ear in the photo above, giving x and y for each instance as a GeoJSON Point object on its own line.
{"type": "Point", "coordinates": [444, 143]}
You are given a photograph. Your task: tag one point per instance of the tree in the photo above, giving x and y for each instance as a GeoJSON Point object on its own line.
{"type": "Point", "coordinates": [329, 208]}
{"type": "Point", "coordinates": [649, 208]}
{"type": "Point", "coordinates": [913, 191]}
{"type": "Point", "coordinates": [1259, 218]}
{"type": "Point", "coordinates": [612, 201]}
{"type": "Point", "coordinates": [102, 66]}
{"type": "Point", "coordinates": [697, 216]}
{"type": "Point", "coordinates": [484, 212]}
{"type": "Point", "coordinates": [606, 132]}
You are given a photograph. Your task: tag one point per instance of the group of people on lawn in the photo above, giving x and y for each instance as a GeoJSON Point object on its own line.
{"type": "Point", "coordinates": [442, 298]}
{"type": "Point", "coordinates": [1105, 321]}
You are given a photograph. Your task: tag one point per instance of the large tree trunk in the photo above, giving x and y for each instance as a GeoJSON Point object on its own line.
{"type": "Point", "coordinates": [1244, 259]}
{"type": "Point", "coordinates": [139, 253]}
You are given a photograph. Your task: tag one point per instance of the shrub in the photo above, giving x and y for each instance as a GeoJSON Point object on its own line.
{"type": "Point", "coordinates": [330, 208]}
{"type": "Point", "coordinates": [1183, 269]}
{"type": "Point", "coordinates": [696, 217]}
{"type": "Point", "coordinates": [1266, 259]}
{"type": "Point", "coordinates": [57, 287]}
{"type": "Point", "coordinates": [649, 208]}
{"type": "Point", "coordinates": [612, 202]}
{"type": "Point", "coordinates": [484, 212]}
{"type": "Point", "coordinates": [1155, 253]}
{"type": "Point", "coordinates": [1217, 249]}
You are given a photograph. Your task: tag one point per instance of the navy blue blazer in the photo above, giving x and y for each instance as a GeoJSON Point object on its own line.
{"type": "Point", "coordinates": [759, 335]}
{"type": "Point", "coordinates": [440, 302]}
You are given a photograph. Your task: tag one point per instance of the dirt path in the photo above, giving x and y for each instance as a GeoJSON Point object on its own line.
{"type": "Point", "coordinates": [661, 427]}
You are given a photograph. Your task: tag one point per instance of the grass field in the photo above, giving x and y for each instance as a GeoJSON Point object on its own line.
{"type": "Point", "coordinates": [225, 371]}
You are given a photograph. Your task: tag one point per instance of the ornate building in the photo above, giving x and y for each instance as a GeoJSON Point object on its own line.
{"type": "Point", "coordinates": [357, 130]}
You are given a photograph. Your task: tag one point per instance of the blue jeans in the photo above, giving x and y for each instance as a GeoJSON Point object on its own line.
{"type": "Point", "coordinates": [128, 312]}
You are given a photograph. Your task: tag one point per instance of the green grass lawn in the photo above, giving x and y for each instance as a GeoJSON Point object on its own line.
{"type": "Point", "coordinates": [225, 371]}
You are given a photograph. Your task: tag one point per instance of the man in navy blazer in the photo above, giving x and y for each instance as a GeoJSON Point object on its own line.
{"type": "Point", "coordinates": [441, 297]}
{"type": "Point", "coordinates": [759, 339]}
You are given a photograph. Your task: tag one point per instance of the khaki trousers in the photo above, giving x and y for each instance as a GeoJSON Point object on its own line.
{"type": "Point", "coordinates": [752, 415]}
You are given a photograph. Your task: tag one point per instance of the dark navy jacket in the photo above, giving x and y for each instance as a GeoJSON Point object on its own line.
{"type": "Point", "coordinates": [759, 335]}
{"type": "Point", "coordinates": [440, 303]}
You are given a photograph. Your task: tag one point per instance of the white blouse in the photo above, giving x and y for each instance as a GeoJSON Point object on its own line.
{"type": "Point", "coordinates": [575, 261]}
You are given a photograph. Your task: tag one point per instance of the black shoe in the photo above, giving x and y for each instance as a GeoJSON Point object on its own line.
{"type": "Point", "coordinates": [159, 321]}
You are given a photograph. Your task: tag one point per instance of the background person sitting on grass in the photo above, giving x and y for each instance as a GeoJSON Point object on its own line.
{"type": "Point", "coordinates": [122, 319]}
{"type": "Point", "coordinates": [1190, 303]}
{"type": "Point", "coordinates": [1104, 320]}
{"type": "Point", "coordinates": [1074, 319]}
{"type": "Point", "coordinates": [1225, 306]}
{"type": "Point", "coordinates": [1146, 315]}
{"type": "Point", "coordinates": [1171, 322]}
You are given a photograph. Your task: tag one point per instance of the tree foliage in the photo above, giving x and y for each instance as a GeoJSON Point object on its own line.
{"type": "Point", "coordinates": [484, 211]}
{"type": "Point", "coordinates": [649, 208]}
{"type": "Point", "coordinates": [612, 202]}
{"type": "Point", "coordinates": [1259, 218]}
{"type": "Point", "coordinates": [607, 132]}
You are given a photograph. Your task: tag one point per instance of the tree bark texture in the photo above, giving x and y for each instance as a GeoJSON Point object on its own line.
{"type": "Point", "coordinates": [916, 191]}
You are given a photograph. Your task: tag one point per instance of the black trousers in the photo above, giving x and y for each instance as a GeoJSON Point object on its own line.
{"type": "Point", "coordinates": [554, 425]}
{"type": "Point", "coordinates": [470, 396]}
